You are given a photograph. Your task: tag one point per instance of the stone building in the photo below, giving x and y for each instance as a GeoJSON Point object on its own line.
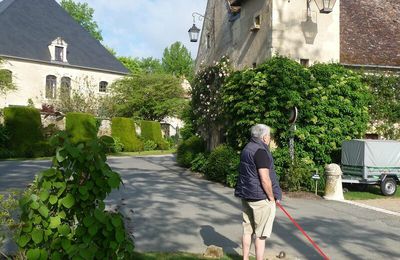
{"type": "Point", "coordinates": [359, 33]}
{"type": "Point", "coordinates": [47, 53]}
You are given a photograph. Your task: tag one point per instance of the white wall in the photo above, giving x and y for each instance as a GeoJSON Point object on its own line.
{"type": "Point", "coordinates": [30, 79]}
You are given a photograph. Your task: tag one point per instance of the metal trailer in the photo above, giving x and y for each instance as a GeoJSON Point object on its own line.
{"type": "Point", "coordinates": [372, 162]}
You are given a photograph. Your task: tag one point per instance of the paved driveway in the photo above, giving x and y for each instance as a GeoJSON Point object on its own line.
{"type": "Point", "coordinates": [170, 209]}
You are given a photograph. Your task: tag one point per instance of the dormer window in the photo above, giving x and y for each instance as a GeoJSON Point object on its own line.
{"type": "Point", "coordinates": [58, 50]}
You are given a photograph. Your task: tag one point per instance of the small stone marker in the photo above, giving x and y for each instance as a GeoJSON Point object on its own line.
{"type": "Point", "coordinates": [214, 252]}
{"type": "Point", "coordinates": [333, 187]}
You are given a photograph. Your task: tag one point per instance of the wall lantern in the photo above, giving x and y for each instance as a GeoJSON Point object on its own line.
{"type": "Point", "coordinates": [194, 33]}
{"type": "Point", "coordinates": [325, 6]}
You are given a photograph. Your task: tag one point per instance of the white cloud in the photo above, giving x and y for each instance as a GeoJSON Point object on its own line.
{"type": "Point", "coordinates": [142, 28]}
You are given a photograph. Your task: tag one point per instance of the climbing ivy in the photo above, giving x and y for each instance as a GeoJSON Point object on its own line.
{"type": "Point", "coordinates": [64, 217]}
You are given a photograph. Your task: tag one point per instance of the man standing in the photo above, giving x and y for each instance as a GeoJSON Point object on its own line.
{"type": "Point", "coordinates": [258, 188]}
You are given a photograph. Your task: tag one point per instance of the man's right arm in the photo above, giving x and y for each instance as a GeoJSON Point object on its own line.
{"type": "Point", "coordinates": [266, 183]}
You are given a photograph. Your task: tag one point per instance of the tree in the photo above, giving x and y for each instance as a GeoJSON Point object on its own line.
{"type": "Point", "coordinates": [6, 83]}
{"type": "Point", "coordinates": [151, 96]}
{"type": "Point", "coordinates": [177, 60]}
{"type": "Point", "coordinates": [151, 65]}
{"type": "Point", "coordinates": [132, 64]}
{"type": "Point", "coordinates": [83, 14]}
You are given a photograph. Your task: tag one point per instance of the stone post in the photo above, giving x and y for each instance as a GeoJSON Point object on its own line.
{"type": "Point", "coordinates": [333, 188]}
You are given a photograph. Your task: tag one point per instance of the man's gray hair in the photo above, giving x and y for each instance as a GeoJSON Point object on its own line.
{"type": "Point", "coordinates": [260, 130]}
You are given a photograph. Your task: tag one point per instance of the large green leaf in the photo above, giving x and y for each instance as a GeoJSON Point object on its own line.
{"type": "Point", "coordinates": [114, 181]}
{"type": "Point", "coordinates": [44, 211]}
{"type": "Point", "coordinates": [68, 201]}
{"type": "Point", "coordinates": [27, 227]}
{"type": "Point", "coordinates": [64, 230]}
{"type": "Point", "coordinates": [33, 254]}
{"type": "Point", "coordinates": [37, 235]}
{"type": "Point", "coordinates": [35, 205]}
{"type": "Point", "coordinates": [50, 172]}
{"type": "Point", "coordinates": [55, 222]}
{"type": "Point", "coordinates": [66, 244]}
{"type": "Point", "coordinates": [53, 199]}
{"type": "Point", "coordinates": [23, 240]}
{"type": "Point", "coordinates": [119, 235]}
{"type": "Point", "coordinates": [37, 219]}
{"type": "Point", "coordinates": [116, 221]}
{"type": "Point", "coordinates": [44, 195]}
{"type": "Point", "coordinates": [99, 215]}
{"type": "Point", "coordinates": [88, 221]}
{"type": "Point", "coordinates": [93, 230]}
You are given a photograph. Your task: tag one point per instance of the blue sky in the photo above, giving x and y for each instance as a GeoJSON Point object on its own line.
{"type": "Point", "coordinates": [143, 28]}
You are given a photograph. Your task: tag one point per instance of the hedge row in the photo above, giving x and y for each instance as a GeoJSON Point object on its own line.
{"type": "Point", "coordinates": [151, 130]}
{"type": "Point", "coordinates": [124, 129]}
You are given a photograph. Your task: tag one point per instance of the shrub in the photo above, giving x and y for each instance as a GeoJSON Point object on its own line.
{"type": "Point", "coordinates": [82, 127]}
{"type": "Point", "coordinates": [24, 129]}
{"type": "Point", "coordinates": [149, 145]}
{"type": "Point", "coordinates": [199, 163]}
{"type": "Point", "coordinates": [151, 130]}
{"type": "Point", "coordinates": [50, 130]}
{"type": "Point", "coordinates": [124, 129]}
{"type": "Point", "coordinates": [188, 149]}
{"type": "Point", "coordinates": [118, 145]}
{"type": "Point", "coordinates": [64, 217]}
{"type": "Point", "coordinates": [222, 165]}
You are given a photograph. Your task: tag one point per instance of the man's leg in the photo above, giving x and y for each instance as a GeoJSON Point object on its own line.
{"type": "Point", "coordinates": [246, 242]}
{"type": "Point", "coordinates": [260, 247]}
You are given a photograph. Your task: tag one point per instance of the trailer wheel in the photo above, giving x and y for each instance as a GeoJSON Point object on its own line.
{"type": "Point", "coordinates": [388, 187]}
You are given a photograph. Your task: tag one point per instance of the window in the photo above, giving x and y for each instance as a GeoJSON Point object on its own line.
{"type": "Point", "coordinates": [5, 77]}
{"type": "Point", "coordinates": [256, 24]}
{"type": "Point", "coordinates": [305, 62]}
{"type": "Point", "coordinates": [51, 82]}
{"type": "Point", "coordinates": [65, 88]}
{"type": "Point", "coordinates": [59, 56]}
{"type": "Point", "coordinates": [103, 86]}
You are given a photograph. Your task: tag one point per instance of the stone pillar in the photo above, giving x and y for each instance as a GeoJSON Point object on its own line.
{"type": "Point", "coordinates": [333, 188]}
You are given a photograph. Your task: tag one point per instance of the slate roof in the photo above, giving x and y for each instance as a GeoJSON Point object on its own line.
{"type": "Point", "coordinates": [27, 28]}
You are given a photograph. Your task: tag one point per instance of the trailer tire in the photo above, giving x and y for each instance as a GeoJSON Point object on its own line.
{"type": "Point", "coordinates": [388, 186]}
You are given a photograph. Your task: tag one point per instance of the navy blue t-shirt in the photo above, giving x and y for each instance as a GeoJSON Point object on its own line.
{"type": "Point", "coordinates": [262, 160]}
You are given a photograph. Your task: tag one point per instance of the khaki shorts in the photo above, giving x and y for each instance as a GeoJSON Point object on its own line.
{"type": "Point", "coordinates": [258, 217]}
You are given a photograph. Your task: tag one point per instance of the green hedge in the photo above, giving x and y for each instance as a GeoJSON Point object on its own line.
{"type": "Point", "coordinates": [188, 150]}
{"type": "Point", "coordinates": [81, 126]}
{"type": "Point", "coordinates": [23, 126]}
{"type": "Point", "coordinates": [222, 165]}
{"type": "Point", "coordinates": [124, 129]}
{"type": "Point", "coordinates": [151, 130]}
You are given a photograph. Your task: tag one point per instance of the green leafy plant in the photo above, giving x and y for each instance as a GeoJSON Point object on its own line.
{"type": "Point", "coordinates": [223, 165]}
{"type": "Point", "coordinates": [118, 146]}
{"type": "Point", "coordinates": [149, 145]}
{"type": "Point", "coordinates": [8, 216]}
{"type": "Point", "coordinates": [64, 217]}
{"type": "Point", "coordinates": [81, 126]}
{"type": "Point", "coordinates": [188, 149]}
{"type": "Point", "coordinates": [151, 130]}
{"type": "Point", "coordinates": [199, 163]}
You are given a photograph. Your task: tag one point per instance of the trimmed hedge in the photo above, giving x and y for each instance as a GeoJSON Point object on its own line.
{"type": "Point", "coordinates": [124, 129]}
{"type": "Point", "coordinates": [188, 150]}
{"type": "Point", "coordinates": [23, 126]}
{"type": "Point", "coordinates": [222, 165]}
{"type": "Point", "coordinates": [151, 130]}
{"type": "Point", "coordinates": [81, 126]}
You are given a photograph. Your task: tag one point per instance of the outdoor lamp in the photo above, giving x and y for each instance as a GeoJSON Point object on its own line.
{"type": "Point", "coordinates": [325, 6]}
{"type": "Point", "coordinates": [194, 33]}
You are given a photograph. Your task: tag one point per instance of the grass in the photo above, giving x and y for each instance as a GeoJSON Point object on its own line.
{"type": "Point", "coordinates": [371, 192]}
{"type": "Point", "coordinates": [178, 256]}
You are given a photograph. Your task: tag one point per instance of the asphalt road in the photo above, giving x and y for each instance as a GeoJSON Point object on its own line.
{"type": "Point", "coordinates": [170, 209]}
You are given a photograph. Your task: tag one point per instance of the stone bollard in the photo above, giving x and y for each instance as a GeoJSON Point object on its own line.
{"type": "Point", "coordinates": [333, 188]}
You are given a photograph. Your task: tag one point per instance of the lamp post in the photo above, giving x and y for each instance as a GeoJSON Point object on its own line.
{"type": "Point", "coordinates": [325, 6]}
{"type": "Point", "coordinates": [194, 31]}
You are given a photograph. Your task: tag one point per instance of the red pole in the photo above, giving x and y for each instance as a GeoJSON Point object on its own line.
{"type": "Point", "coordinates": [304, 233]}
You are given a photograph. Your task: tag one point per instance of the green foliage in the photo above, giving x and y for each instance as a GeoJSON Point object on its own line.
{"type": "Point", "coordinates": [81, 126]}
{"type": "Point", "coordinates": [49, 131]}
{"type": "Point", "coordinates": [385, 104]}
{"type": "Point", "coordinates": [149, 145]}
{"type": "Point", "coordinates": [8, 209]}
{"type": "Point", "coordinates": [132, 64]}
{"type": "Point", "coordinates": [124, 129]}
{"type": "Point", "coordinates": [83, 14]}
{"type": "Point", "coordinates": [4, 140]}
{"type": "Point", "coordinates": [188, 150]}
{"type": "Point", "coordinates": [223, 165]}
{"type": "Point", "coordinates": [64, 217]}
{"type": "Point", "coordinates": [149, 96]}
{"type": "Point", "coordinates": [151, 130]}
{"type": "Point", "coordinates": [118, 146]}
{"type": "Point", "coordinates": [199, 163]}
{"type": "Point", "coordinates": [151, 65]}
{"type": "Point", "coordinates": [23, 126]}
{"type": "Point", "coordinates": [178, 61]}
{"type": "Point", "coordinates": [332, 103]}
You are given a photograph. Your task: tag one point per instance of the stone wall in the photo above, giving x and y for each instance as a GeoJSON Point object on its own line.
{"type": "Point", "coordinates": [370, 32]}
